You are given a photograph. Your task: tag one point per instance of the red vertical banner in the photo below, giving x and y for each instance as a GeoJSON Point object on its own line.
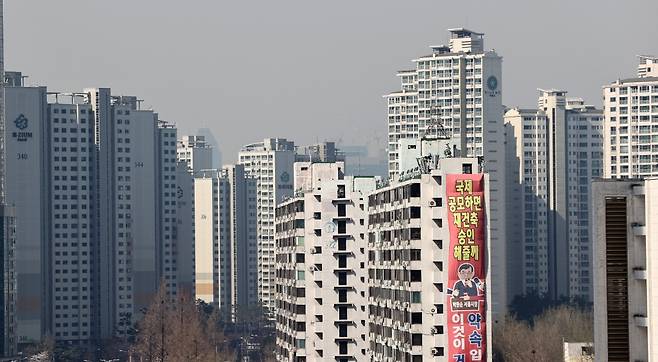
{"type": "Point", "coordinates": [466, 268]}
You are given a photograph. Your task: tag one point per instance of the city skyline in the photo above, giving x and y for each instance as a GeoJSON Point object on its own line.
{"type": "Point", "coordinates": [224, 58]}
{"type": "Point", "coordinates": [206, 181]}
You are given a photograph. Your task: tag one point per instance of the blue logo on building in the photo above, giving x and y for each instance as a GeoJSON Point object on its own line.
{"type": "Point", "coordinates": [21, 122]}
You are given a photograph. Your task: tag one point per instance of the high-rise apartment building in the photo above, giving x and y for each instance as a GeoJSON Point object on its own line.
{"type": "Point", "coordinates": [321, 287]}
{"type": "Point", "coordinates": [135, 187]}
{"type": "Point", "coordinates": [196, 152]}
{"type": "Point", "coordinates": [94, 178]}
{"type": "Point", "coordinates": [459, 86]}
{"type": "Point", "coordinates": [271, 163]}
{"type": "Point", "coordinates": [554, 152]}
{"type": "Point", "coordinates": [226, 242]}
{"type": "Point", "coordinates": [631, 123]}
{"type": "Point", "coordinates": [193, 155]}
{"type": "Point", "coordinates": [624, 234]}
{"type": "Point", "coordinates": [410, 267]}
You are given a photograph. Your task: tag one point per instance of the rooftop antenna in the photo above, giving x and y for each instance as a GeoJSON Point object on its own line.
{"type": "Point", "coordinates": [434, 131]}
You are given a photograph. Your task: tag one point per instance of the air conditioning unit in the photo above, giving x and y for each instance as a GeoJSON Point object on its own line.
{"type": "Point", "coordinates": [405, 264]}
{"type": "Point", "coordinates": [433, 310]}
{"type": "Point", "coordinates": [432, 203]}
{"type": "Point", "coordinates": [405, 304]}
{"type": "Point", "coordinates": [433, 331]}
{"type": "Point", "coordinates": [435, 351]}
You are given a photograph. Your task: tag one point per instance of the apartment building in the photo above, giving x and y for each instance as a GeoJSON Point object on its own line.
{"type": "Point", "coordinates": [459, 86]}
{"type": "Point", "coordinates": [631, 123]}
{"type": "Point", "coordinates": [94, 182]}
{"type": "Point", "coordinates": [554, 152]}
{"type": "Point", "coordinates": [624, 235]}
{"type": "Point", "coordinates": [321, 287]}
{"type": "Point", "coordinates": [320, 152]}
{"type": "Point", "coordinates": [193, 155]}
{"type": "Point", "coordinates": [418, 243]}
{"type": "Point", "coordinates": [8, 342]}
{"type": "Point", "coordinates": [196, 152]}
{"type": "Point", "coordinates": [226, 241]}
{"type": "Point", "coordinates": [271, 163]}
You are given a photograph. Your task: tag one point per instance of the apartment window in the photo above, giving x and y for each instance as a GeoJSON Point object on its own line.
{"type": "Point", "coordinates": [301, 343]}
{"type": "Point", "coordinates": [416, 339]}
{"type": "Point", "coordinates": [342, 330]}
{"type": "Point", "coordinates": [415, 276]}
{"type": "Point", "coordinates": [342, 347]}
{"type": "Point", "coordinates": [417, 318]}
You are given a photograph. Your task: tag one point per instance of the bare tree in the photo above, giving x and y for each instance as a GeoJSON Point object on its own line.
{"type": "Point", "coordinates": [542, 340]}
{"type": "Point", "coordinates": [179, 330]}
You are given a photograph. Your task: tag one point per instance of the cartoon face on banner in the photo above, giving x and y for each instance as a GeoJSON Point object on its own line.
{"type": "Point", "coordinates": [466, 268]}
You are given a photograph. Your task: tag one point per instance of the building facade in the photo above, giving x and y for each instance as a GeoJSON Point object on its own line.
{"type": "Point", "coordinates": [196, 152]}
{"type": "Point", "coordinates": [271, 163]}
{"type": "Point", "coordinates": [554, 153]}
{"type": "Point", "coordinates": [631, 123]}
{"type": "Point", "coordinates": [320, 268]}
{"type": "Point", "coordinates": [8, 325]}
{"type": "Point", "coordinates": [226, 242]}
{"type": "Point", "coordinates": [94, 180]}
{"type": "Point", "coordinates": [624, 236]}
{"type": "Point", "coordinates": [458, 89]}
{"type": "Point", "coordinates": [408, 258]}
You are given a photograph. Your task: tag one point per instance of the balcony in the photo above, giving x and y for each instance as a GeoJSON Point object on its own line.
{"type": "Point", "coordinates": [641, 320]}
{"type": "Point", "coordinates": [639, 230]}
{"type": "Point", "coordinates": [640, 273]}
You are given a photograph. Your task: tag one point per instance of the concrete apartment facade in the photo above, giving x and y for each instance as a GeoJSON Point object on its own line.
{"type": "Point", "coordinates": [459, 85]}
{"type": "Point", "coordinates": [624, 232]}
{"type": "Point", "coordinates": [554, 153]}
{"type": "Point", "coordinates": [408, 242]}
{"type": "Point", "coordinates": [95, 182]}
{"type": "Point", "coordinates": [321, 287]}
{"type": "Point", "coordinates": [631, 123]}
{"type": "Point", "coordinates": [271, 163]}
{"type": "Point", "coordinates": [225, 234]}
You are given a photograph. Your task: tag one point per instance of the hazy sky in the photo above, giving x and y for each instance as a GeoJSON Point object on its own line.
{"type": "Point", "coordinates": [311, 70]}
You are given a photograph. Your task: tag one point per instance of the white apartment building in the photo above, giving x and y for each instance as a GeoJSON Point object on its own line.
{"type": "Point", "coordinates": [631, 123]}
{"type": "Point", "coordinates": [554, 153]}
{"type": "Point", "coordinates": [193, 155]}
{"type": "Point", "coordinates": [408, 260]}
{"type": "Point", "coordinates": [321, 287]}
{"type": "Point", "coordinates": [225, 233]}
{"type": "Point", "coordinates": [196, 152]}
{"type": "Point", "coordinates": [271, 163]}
{"type": "Point", "coordinates": [625, 295]}
{"type": "Point", "coordinates": [460, 86]}
{"type": "Point", "coordinates": [94, 179]}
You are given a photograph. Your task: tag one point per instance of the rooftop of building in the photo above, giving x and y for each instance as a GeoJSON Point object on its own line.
{"type": "Point", "coordinates": [463, 32]}
{"type": "Point", "coordinates": [635, 80]}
